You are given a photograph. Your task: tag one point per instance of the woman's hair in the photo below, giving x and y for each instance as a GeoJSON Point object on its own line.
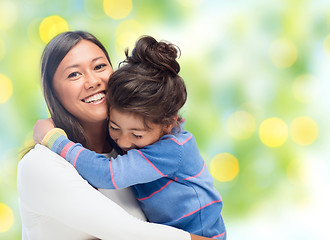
{"type": "Point", "coordinates": [52, 56]}
{"type": "Point", "coordinates": [147, 82]}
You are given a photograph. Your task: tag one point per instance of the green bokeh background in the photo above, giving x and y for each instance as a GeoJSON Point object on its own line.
{"type": "Point", "coordinates": [228, 65]}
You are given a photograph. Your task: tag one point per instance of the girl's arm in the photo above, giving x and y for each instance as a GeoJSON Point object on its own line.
{"type": "Point", "coordinates": [136, 167]}
{"type": "Point", "coordinates": [51, 187]}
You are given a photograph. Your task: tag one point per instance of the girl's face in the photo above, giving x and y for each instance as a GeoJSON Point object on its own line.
{"type": "Point", "coordinates": [80, 82]}
{"type": "Point", "coordinates": [129, 131]}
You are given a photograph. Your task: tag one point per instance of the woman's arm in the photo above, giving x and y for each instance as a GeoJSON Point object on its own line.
{"type": "Point", "coordinates": [51, 187]}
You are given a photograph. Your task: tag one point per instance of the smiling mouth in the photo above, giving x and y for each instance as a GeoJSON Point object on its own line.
{"type": "Point", "coordinates": [98, 97]}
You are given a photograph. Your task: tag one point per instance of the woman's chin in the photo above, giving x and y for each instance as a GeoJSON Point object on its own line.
{"type": "Point", "coordinates": [95, 118]}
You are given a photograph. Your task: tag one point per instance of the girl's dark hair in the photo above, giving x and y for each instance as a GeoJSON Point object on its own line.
{"type": "Point", "coordinates": [52, 56]}
{"type": "Point", "coordinates": [147, 82]}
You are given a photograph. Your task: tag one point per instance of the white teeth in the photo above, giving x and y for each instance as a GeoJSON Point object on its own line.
{"type": "Point", "coordinates": [94, 98]}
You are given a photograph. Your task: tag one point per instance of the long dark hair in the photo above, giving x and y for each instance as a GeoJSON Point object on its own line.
{"type": "Point", "coordinates": [147, 82]}
{"type": "Point", "coordinates": [52, 56]}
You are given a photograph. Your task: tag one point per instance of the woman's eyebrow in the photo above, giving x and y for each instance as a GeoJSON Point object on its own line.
{"type": "Point", "coordinates": [71, 66]}
{"type": "Point", "coordinates": [97, 58]}
{"type": "Point", "coordinates": [77, 65]}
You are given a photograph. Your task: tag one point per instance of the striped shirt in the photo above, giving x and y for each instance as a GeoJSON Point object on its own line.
{"type": "Point", "coordinates": [169, 179]}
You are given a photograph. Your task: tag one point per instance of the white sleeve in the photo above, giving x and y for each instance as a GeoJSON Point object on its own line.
{"type": "Point", "coordinates": [51, 187]}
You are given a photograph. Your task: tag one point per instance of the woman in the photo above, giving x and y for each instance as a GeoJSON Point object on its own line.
{"type": "Point", "coordinates": [55, 202]}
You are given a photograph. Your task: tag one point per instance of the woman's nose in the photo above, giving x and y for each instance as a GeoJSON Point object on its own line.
{"type": "Point", "coordinates": [92, 81]}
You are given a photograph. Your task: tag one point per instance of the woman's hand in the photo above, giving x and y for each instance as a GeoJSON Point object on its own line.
{"type": "Point", "coordinates": [41, 128]}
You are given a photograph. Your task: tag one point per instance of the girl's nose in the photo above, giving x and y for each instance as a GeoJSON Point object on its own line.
{"type": "Point", "coordinates": [124, 143]}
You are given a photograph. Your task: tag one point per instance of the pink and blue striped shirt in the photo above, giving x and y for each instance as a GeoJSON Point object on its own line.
{"type": "Point", "coordinates": [169, 179]}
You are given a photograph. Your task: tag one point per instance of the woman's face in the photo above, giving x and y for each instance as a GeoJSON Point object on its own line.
{"type": "Point", "coordinates": [80, 82]}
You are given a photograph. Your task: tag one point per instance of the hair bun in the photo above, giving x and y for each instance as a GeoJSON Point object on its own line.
{"type": "Point", "coordinates": [160, 55]}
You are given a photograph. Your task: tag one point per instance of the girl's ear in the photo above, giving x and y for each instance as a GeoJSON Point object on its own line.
{"type": "Point", "coordinates": [168, 127]}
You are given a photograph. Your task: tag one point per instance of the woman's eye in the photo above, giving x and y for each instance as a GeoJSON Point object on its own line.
{"type": "Point", "coordinates": [100, 66]}
{"type": "Point", "coordinates": [73, 75]}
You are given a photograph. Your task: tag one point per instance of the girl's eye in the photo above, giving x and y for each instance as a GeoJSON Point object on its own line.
{"type": "Point", "coordinates": [73, 75]}
{"type": "Point", "coordinates": [112, 128]}
{"type": "Point", "coordinates": [137, 136]}
{"type": "Point", "coordinates": [100, 66]}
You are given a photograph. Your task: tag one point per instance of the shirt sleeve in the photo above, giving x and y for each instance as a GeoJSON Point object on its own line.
{"type": "Point", "coordinates": [138, 166]}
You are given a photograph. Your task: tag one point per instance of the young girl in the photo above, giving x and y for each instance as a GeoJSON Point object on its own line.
{"type": "Point", "coordinates": [161, 161]}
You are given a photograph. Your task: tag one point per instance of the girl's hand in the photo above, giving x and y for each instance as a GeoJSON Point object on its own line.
{"type": "Point", "coordinates": [196, 237]}
{"type": "Point", "coordinates": [41, 128]}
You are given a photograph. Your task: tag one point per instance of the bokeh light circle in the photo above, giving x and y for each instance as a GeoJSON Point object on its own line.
{"type": "Point", "coordinates": [224, 167]}
{"type": "Point", "coordinates": [52, 26]}
{"type": "Point", "coordinates": [304, 130]}
{"type": "Point", "coordinates": [241, 125]}
{"type": "Point", "coordinates": [6, 89]}
{"type": "Point", "coordinates": [283, 53]}
{"type": "Point", "coordinates": [117, 9]}
{"type": "Point", "coordinates": [127, 33]}
{"type": "Point", "coordinates": [6, 218]}
{"type": "Point", "coordinates": [273, 132]}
